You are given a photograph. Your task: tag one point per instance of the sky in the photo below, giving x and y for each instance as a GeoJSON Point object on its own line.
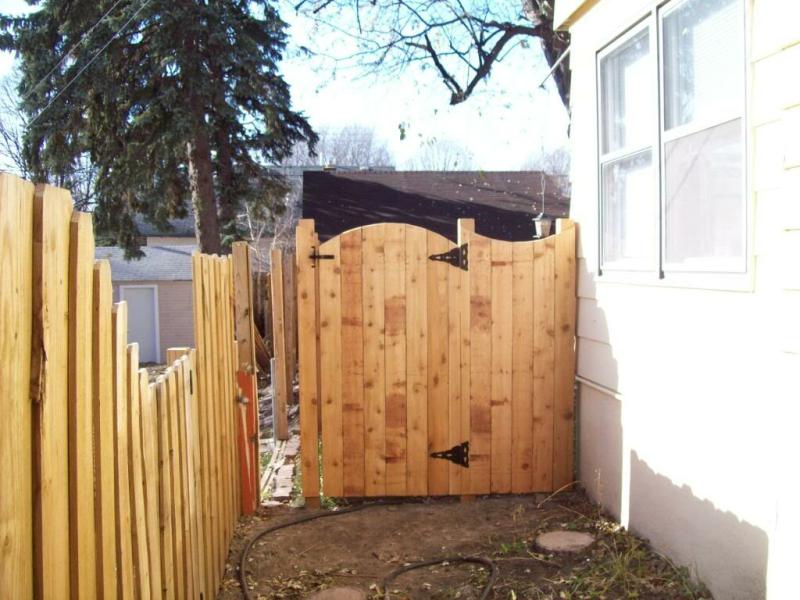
{"type": "Point", "coordinates": [507, 122]}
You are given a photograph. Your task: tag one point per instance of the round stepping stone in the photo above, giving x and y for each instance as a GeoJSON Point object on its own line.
{"type": "Point", "coordinates": [340, 593]}
{"type": "Point", "coordinates": [564, 541]}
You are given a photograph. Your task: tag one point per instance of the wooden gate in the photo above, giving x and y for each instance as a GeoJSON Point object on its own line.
{"type": "Point", "coordinates": [433, 368]}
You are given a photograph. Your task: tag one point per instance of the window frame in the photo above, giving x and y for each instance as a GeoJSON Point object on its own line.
{"type": "Point", "coordinates": [704, 273]}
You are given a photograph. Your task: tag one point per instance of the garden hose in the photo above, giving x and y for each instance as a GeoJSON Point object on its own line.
{"type": "Point", "coordinates": [386, 580]}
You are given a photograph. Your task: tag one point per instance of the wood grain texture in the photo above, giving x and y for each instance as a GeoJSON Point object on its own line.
{"type": "Point", "coordinates": [148, 428]}
{"type": "Point", "coordinates": [352, 350]}
{"type": "Point", "coordinates": [279, 343]}
{"type": "Point", "coordinates": [330, 343]}
{"type": "Point", "coordinates": [564, 377]}
{"type": "Point", "coordinates": [125, 581]}
{"type": "Point", "coordinates": [417, 360]}
{"type": "Point", "coordinates": [374, 360]}
{"type": "Point", "coordinates": [178, 525]}
{"type": "Point", "coordinates": [305, 241]}
{"type": "Point", "coordinates": [543, 364]}
{"type": "Point", "coordinates": [395, 357]}
{"type": "Point", "coordinates": [438, 369]}
{"type": "Point", "coordinates": [466, 229]}
{"type": "Point", "coordinates": [83, 574]}
{"type": "Point", "coordinates": [165, 490]}
{"type": "Point", "coordinates": [16, 299]}
{"type": "Point", "coordinates": [480, 286]}
{"type": "Point", "coordinates": [52, 211]}
{"type": "Point", "coordinates": [522, 370]}
{"type": "Point", "coordinates": [502, 320]}
{"type": "Point", "coordinates": [104, 430]}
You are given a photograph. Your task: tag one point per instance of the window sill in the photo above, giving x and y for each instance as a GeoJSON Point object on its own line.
{"type": "Point", "coordinates": [718, 282]}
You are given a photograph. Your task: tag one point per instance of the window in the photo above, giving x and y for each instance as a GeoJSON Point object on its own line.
{"type": "Point", "coordinates": [672, 185]}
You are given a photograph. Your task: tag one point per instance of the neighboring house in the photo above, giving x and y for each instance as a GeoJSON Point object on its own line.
{"type": "Point", "coordinates": [179, 233]}
{"type": "Point", "coordinates": [503, 204]}
{"type": "Point", "coordinates": [158, 290]}
{"type": "Point", "coordinates": [686, 190]}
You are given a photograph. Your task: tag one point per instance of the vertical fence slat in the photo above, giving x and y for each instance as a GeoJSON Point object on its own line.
{"type": "Point", "coordinates": [141, 558]}
{"type": "Point", "coordinates": [125, 582]}
{"type": "Point", "coordinates": [502, 326]}
{"type": "Point", "coordinates": [149, 427]}
{"type": "Point", "coordinates": [83, 575]}
{"type": "Point", "coordinates": [279, 422]}
{"type": "Point", "coordinates": [564, 377]}
{"type": "Point", "coordinates": [16, 297]}
{"type": "Point", "coordinates": [166, 526]}
{"type": "Point", "coordinates": [49, 390]}
{"type": "Point", "coordinates": [178, 526]}
{"type": "Point", "coordinates": [466, 228]}
{"type": "Point", "coordinates": [307, 333]}
{"type": "Point", "coordinates": [104, 430]}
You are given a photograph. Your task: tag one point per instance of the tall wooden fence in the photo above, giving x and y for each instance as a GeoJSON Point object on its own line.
{"type": "Point", "coordinates": [113, 486]}
{"type": "Point", "coordinates": [437, 368]}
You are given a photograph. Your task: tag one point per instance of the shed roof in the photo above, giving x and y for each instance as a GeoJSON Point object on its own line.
{"type": "Point", "coordinates": [503, 203]}
{"type": "Point", "coordinates": [159, 263]}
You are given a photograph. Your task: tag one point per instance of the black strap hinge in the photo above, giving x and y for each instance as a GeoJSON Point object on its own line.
{"type": "Point", "coordinates": [315, 256]}
{"type": "Point", "coordinates": [457, 257]}
{"type": "Point", "coordinates": [458, 454]}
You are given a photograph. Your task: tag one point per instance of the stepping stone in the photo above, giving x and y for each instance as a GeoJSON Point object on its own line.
{"type": "Point", "coordinates": [340, 593]}
{"type": "Point", "coordinates": [564, 541]}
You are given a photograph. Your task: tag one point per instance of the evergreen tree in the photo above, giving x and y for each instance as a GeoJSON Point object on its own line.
{"type": "Point", "coordinates": [173, 100]}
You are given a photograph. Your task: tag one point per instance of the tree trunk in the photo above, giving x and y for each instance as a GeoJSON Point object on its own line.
{"type": "Point", "coordinates": [227, 195]}
{"type": "Point", "coordinates": [202, 186]}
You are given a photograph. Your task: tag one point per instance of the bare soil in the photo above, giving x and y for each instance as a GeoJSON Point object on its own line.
{"type": "Point", "coordinates": [358, 549]}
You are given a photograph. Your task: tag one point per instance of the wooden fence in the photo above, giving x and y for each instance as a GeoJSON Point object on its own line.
{"type": "Point", "coordinates": [113, 486]}
{"type": "Point", "coordinates": [437, 368]}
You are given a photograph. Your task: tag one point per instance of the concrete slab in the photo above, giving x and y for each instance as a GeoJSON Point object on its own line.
{"type": "Point", "coordinates": [564, 541]}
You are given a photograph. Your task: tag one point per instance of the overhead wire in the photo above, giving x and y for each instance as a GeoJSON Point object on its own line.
{"type": "Point", "coordinates": [88, 64]}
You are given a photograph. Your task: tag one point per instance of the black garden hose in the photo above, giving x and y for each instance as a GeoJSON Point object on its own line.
{"type": "Point", "coordinates": [386, 580]}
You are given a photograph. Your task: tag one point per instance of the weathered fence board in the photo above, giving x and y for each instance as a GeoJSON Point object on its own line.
{"type": "Point", "coordinates": [16, 296]}
{"type": "Point", "coordinates": [420, 349]}
{"type": "Point", "coordinates": [113, 487]}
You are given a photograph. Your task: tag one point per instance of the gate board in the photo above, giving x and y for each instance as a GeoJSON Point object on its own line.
{"type": "Point", "coordinates": [410, 356]}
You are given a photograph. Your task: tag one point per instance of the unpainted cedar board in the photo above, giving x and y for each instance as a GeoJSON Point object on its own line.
{"type": "Point", "coordinates": [281, 385]}
{"type": "Point", "coordinates": [192, 458]}
{"type": "Point", "coordinates": [395, 357]}
{"type": "Point", "coordinates": [480, 281]}
{"type": "Point", "coordinates": [543, 364]}
{"type": "Point", "coordinates": [104, 430]}
{"type": "Point", "coordinates": [166, 514]}
{"type": "Point", "coordinates": [178, 526]}
{"type": "Point", "coordinates": [49, 390]}
{"type": "Point", "coordinates": [183, 463]}
{"type": "Point", "coordinates": [330, 343]}
{"type": "Point", "coordinates": [352, 364]}
{"type": "Point", "coordinates": [148, 426]}
{"type": "Point", "coordinates": [125, 587]}
{"type": "Point", "coordinates": [16, 298]}
{"type": "Point", "coordinates": [522, 367]}
{"type": "Point", "coordinates": [564, 379]}
{"type": "Point", "coordinates": [374, 360]}
{"type": "Point", "coordinates": [501, 365]}
{"type": "Point", "coordinates": [306, 241]}
{"type": "Point", "coordinates": [466, 228]}
{"type": "Point", "coordinates": [417, 360]}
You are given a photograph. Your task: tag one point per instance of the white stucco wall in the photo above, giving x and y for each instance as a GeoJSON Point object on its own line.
{"type": "Point", "coordinates": [688, 406]}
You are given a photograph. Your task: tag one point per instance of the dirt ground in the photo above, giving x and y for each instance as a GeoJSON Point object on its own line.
{"type": "Point", "coordinates": [358, 549]}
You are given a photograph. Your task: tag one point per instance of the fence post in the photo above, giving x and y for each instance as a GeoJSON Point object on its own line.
{"type": "Point", "coordinates": [279, 418]}
{"type": "Point", "coordinates": [247, 424]}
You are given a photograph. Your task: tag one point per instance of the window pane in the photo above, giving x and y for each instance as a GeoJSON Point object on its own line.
{"type": "Point", "coordinates": [627, 99]}
{"type": "Point", "coordinates": [703, 61]}
{"type": "Point", "coordinates": [704, 197]}
{"type": "Point", "coordinates": [629, 210]}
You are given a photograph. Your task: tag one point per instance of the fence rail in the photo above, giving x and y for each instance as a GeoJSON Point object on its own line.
{"type": "Point", "coordinates": [114, 486]}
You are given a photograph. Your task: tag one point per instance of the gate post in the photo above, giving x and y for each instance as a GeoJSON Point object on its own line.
{"type": "Point", "coordinates": [306, 241]}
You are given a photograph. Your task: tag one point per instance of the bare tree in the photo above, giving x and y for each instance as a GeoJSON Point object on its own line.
{"type": "Point", "coordinates": [462, 39]}
{"type": "Point", "coordinates": [442, 154]}
{"type": "Point", "coordinates": [82, 176]}
{"type": "Point", "coordinates": [554, 162]}
{"type": "Point", "coordinates": [351, 145]}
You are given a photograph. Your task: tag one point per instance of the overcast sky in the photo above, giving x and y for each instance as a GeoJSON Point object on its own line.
{"type": "Point", "coordinates": [505, 123]}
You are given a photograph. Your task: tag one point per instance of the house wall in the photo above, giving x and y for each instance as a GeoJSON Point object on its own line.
{"type": "Point", "coordinates": [175, 315]}
{"type": "Point", "coordinates": [686, 413]}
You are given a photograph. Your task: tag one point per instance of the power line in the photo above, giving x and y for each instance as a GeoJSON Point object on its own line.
{"type": "Point", "coordinates": [84, 37]}
{"type": "Point", "coordinates": [91, 60]}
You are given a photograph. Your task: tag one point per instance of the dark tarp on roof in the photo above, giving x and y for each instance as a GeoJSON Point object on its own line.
{"type": "Point", "coordinates": [503, 204]}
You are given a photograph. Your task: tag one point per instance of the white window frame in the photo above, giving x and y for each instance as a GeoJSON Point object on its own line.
{"type": "Point", "coordinates": [155, 311]}
{"type": "Point", "coordinates": [702, 273]}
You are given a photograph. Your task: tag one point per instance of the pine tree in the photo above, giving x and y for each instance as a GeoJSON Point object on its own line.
{"type": "Point", "coordinates": [186, 103]}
